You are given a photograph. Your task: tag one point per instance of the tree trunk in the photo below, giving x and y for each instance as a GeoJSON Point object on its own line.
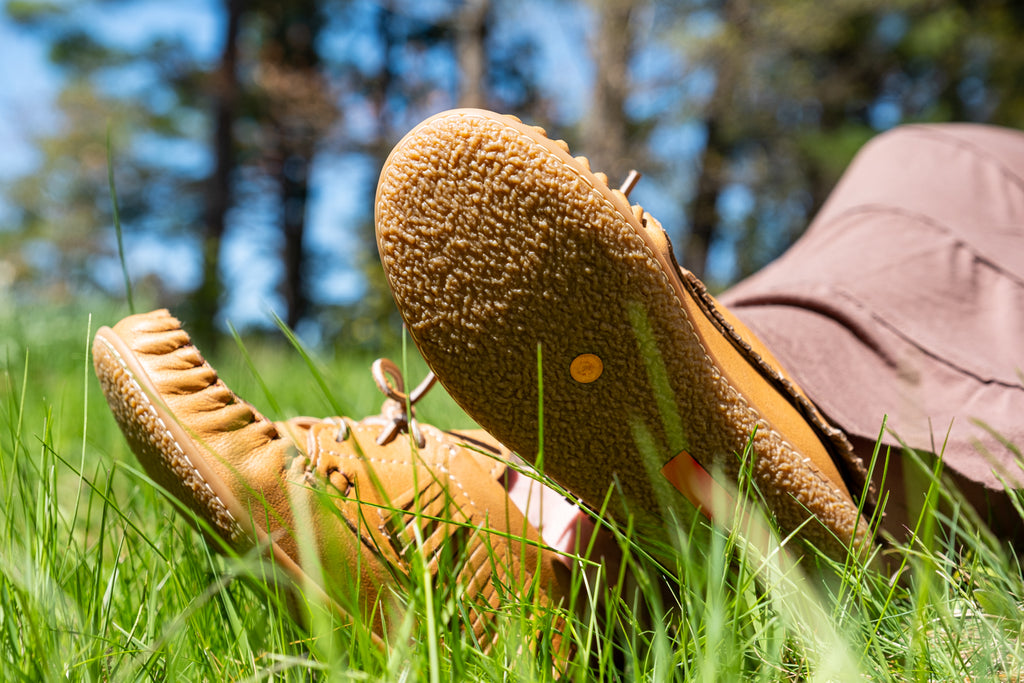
{"type": "Point", "coordinates": [207, 299]}
{"type": "Point", "coordinates": [294, 195]}
{"type": "Point", "coordinates": [301, 111]}
{"type": "Point", "coordinates": [605, 128]}
{"type": "Point", "coordinates": [704, 214]}
{"type": "Point", "coordinates": [704, 217]}
{"type": "Point", "coordinates": [471, 52]}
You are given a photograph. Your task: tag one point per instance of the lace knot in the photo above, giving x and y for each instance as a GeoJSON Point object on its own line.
{"type": "Point", "coordinates": [398, 406]}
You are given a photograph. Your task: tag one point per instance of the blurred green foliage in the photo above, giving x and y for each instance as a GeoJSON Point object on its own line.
{"type": "Point", "coordinates": [742, 115]}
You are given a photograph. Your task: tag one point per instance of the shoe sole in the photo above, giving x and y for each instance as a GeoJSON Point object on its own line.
{"type": "Point", "coordinates": [497, 243]}
{"type": "Point", "coordinates": [179, 464]}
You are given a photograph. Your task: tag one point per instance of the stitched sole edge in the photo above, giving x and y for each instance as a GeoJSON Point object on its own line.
{"type": "Point", "coordinates": [175, 461]}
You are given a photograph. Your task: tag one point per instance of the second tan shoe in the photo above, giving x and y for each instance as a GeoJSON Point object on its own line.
{"type": "Point", "coordinates": [505, 253]}
{"type": "Point", "coordinates": [345, 513]}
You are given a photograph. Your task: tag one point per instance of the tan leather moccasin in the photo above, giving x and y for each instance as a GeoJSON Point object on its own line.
{"type": "Point", "coordinates": [504, 254]}
{"type": "Point", "coordinates": [344, 508]}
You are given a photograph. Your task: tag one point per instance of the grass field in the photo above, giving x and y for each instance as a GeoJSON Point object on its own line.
{"type": "Point", "coordinates": [100, 579]}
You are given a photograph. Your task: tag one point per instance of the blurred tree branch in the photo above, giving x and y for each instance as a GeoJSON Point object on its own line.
{"type": "Point", "coordinates": [741, 114]}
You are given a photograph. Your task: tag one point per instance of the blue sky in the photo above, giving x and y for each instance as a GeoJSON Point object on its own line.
{"type": "Point", "coordinates": [30, 86]}
{"type": "Point", "coordinates": [25, 98]}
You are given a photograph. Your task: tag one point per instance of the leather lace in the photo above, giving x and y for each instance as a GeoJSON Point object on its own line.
{"type": "Point", "coordinates": [398, 405]}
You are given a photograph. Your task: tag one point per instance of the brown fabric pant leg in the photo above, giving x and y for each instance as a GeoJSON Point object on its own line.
{"type": "Point", "coordinates": [905, 300]}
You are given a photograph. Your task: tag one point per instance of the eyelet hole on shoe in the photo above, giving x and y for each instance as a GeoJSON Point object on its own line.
{"type": "Point", "coordinates": [343, 429]}
{"type": "Point", "coordinates": [340, 481]}
{"type": "Point", "coordinates": [586, 368]}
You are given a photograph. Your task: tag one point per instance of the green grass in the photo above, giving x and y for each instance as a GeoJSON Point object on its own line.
{"type": "Point", "coordinates": [100, 579]}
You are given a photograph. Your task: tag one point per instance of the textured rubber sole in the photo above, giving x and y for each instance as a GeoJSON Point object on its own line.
{"type": "Point", "coordinates": [163, 446]}
{"type": "Point", "coordinates": [497, 243]}
{"type": "Point", "coordinates": [179, 464]}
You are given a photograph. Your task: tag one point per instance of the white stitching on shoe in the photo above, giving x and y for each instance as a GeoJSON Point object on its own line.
{"type": "Point", "coordinates": [167, 432]}
{"type": "Point", "coordinates": [439, 466]}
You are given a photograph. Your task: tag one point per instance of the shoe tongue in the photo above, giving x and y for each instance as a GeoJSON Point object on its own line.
{"type": "Point", "coordinates": [484, 449]}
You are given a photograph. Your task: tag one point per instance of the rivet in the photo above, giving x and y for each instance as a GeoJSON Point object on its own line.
{"type": "Point", "coordinates": [586, 368]}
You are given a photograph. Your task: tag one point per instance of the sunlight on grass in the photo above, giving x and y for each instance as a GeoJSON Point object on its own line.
{"type": "Point", "coordinates": [100, 578]}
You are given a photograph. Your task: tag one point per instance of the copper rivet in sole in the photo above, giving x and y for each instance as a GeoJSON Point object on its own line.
{"type": "Point", "coordinates": [586, 368]}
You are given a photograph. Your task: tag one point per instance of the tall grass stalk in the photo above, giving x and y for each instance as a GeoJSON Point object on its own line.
{"type": "Point", "coordinates": [101, 579]}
